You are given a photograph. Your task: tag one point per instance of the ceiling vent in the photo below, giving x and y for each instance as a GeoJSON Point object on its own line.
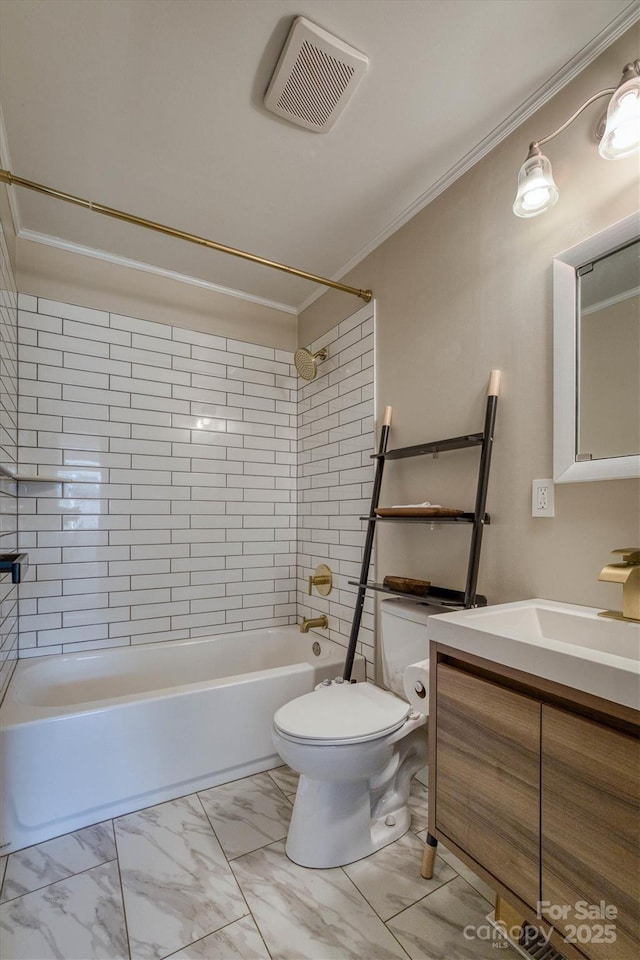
{"type": "Point", "coordinates": [316, 76]}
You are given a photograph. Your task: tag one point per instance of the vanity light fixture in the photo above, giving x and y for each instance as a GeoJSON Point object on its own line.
{"type": "Point", "coordinates": [537, 191]}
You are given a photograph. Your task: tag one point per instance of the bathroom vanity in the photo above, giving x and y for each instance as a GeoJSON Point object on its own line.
{"type": "Point", "coordinates": [534, 775]}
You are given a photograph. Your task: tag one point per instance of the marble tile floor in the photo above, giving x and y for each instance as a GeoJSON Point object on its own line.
{"type": "Point", "coordinates": [205, 877]}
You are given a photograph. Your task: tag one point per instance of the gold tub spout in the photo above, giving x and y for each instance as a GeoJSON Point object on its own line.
{"type": "Point", "coordinates": [628, 574]}
{"type": "Point", "coordinates": [321, 621]}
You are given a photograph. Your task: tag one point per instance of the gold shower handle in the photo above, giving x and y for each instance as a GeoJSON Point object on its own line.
{"type": "Point", "coordinates": [322, 580]}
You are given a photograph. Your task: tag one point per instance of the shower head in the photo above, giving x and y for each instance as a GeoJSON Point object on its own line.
{"type": "Point", "coordinates": [307, 362]}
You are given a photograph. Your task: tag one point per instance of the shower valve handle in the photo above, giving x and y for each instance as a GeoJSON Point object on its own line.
{"type": "Point", "coordinates": [322, 580]}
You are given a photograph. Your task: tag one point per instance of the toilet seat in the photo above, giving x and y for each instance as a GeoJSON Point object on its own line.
{"type": "Point", "coordinates": [341, 713]}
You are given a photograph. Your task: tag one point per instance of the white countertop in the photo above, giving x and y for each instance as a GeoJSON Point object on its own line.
{"type": "Point", "coordinates": [562, 642]}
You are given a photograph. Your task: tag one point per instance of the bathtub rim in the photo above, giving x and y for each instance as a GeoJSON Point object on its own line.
{"type": "Point", "coordinates": [249, 750]}
{"type": "Point", "coordinates": [15, 711]}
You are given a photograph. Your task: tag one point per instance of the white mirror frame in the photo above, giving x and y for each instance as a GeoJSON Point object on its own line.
{"type": "Point", "coordinates": [565, 467]}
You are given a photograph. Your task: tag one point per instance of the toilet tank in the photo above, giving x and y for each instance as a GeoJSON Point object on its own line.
{"type": "Point", "coordinates": [403, 638]}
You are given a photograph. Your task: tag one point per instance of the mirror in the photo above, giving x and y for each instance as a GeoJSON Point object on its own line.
{"type": "Point", "coordinates": [608, 355]}
{"type": "Point", "coordinates": [596, 287]}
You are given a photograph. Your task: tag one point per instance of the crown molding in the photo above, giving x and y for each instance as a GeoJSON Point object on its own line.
{"type": "Point", "coordinates": [627, 18]}
{"type": "Point", "coordinates": [116, 259]}
{"type": "Point", "coordinates": [24, 234]}
{"type": "Point", "coordinates": [571, 69]}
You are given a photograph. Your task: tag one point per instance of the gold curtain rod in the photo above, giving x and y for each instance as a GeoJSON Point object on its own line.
{"type": "Point", "coordinates": [7, 177]}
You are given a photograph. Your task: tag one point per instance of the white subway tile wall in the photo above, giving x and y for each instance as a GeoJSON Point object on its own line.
{"type": "Point", "coordinates": [8, 460]}
{"type": "Point", "coordinates": [336, 437]}
{"type": "Point", "coordinates": [172, 512]}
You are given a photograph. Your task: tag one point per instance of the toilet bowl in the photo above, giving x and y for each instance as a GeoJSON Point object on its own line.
{"type": "Point", "coordinates": [356, 748]}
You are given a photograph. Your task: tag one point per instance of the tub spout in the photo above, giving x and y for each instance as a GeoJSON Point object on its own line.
{"type": "Point", "coordinates": [321, 621]}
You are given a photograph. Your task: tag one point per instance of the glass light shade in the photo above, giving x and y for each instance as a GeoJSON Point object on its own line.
{"type": "Point", "coordinates": [537, 192]}
{"type": "Point", "coordinates": [621, 136]}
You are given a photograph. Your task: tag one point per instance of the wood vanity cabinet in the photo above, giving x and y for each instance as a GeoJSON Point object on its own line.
{"type": "Point", "coordinates": [591, 826]}
{"type": "Point", "coordinates": [488, 776]}
{"type": "Point", "coordinates": [537, 788]}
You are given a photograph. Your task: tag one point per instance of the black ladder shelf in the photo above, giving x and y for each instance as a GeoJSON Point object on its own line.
{"type": "Point", "coordinates": [442, 596]}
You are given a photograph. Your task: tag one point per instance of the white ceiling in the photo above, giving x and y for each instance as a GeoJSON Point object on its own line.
{"type": "Point", "coordinates": [155, 107]}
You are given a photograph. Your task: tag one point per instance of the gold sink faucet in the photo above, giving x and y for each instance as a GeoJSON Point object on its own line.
{"type": "Point", "coordinates": [320, 621]}
{"type": "Point", "coordinates": [628, 574]}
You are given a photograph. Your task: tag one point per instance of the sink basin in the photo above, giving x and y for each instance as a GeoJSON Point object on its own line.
{"type": "Point", "coordinates": [538, 620]}
{"type": "Point", "coordinates": [563, 642]}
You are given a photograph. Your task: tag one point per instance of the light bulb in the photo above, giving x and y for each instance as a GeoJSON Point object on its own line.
{"type": "Point", "coordinates": [536, 197]}
{"type": "Point", "coordinates": [537, 191]}
{"type": "Point", "coordinates": [621, 137]}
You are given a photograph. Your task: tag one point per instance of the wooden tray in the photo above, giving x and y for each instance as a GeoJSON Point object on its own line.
{"type": "Point", "coordinates": [418, 512]}
{"type": "Point", "coordinates": [419, 588]}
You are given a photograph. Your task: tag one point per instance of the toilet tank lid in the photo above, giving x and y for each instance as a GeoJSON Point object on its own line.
{"type": "Point", "coordinates": [408, 610]}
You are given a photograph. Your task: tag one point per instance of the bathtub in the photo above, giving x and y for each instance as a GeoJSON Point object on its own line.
{"type": "Point", "coordinates": [89, 736]}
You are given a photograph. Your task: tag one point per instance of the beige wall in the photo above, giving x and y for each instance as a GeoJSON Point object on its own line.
{"type": "Point", "coordinates": [72, 278]}
{"type": "Point", "coordinates": [465, 287]}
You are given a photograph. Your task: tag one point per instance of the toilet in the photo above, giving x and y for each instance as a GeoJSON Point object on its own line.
{"type": "Point", "coordinates": [356, 748]}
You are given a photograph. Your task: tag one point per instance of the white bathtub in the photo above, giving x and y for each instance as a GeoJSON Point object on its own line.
{"type": "Point", "coordinates": [90, 736]}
